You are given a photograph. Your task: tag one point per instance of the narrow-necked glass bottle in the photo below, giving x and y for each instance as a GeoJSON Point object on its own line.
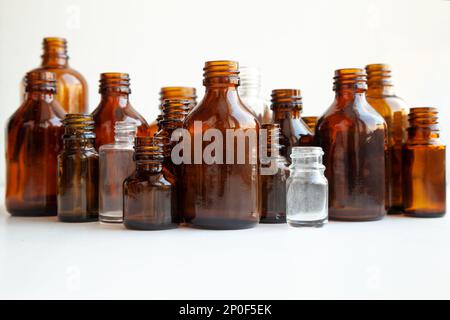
{"type": "Point", "coordinates": [115, 106]}
{"type": "Point", "coordinates": [78, 171]}
{"type": "Point", "coordinates": [72, 89]}
{"type": "Point", "coordinates": [287, 106]}
{"type": "Point", "coordinates": [221, 189]}
{"type": "Point", "coordinates": [424, 166]}
{"type": "Point", "coordinates": [274, 174]}
{"type": "Point", "coordinates": [183, 93]}
{"type": "Point", "coordinates": [149, 201]}
{"type": "Point", "coordinates": [352, 135]}
{"type": "Point", "coordinates": [116, 164]}
{"type": "Point", "coordinates": [380, 95]}
{"type": "Point", "coordinates": [33, 141]}
{"type": "Point", "coordinates": [311, 122]}
{"type": "Point", "coordinates": [307, 189]}
{"type": "Point", "coordinates": [250, 93]}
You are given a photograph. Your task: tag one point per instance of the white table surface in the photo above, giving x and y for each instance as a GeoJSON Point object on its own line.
{"type": "Point", "coordinates": [397, 257]}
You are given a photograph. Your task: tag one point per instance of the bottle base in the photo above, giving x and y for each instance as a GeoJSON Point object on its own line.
{"type": "Point", "coordinates": [110, 219]}
{"type": "Point", "coordinates": [395, 210]}
{"type": "Point", "coordinates": [315, 224]}
{"type": "Point", "coordinates": [148, 227]}
{"type": "Point", "coordinates": [221, 224]}
{"type": "Point", "coordinates": [77, 219]}
{"type": "Point", "coordinates": [424, 214]}
{"type": "Point", "coordinates": [31, 213]}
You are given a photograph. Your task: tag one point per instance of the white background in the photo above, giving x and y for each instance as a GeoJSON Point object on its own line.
{"type": "Point", "coordinates": [296, 44]}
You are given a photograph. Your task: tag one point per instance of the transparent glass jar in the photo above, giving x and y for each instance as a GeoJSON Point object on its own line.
{"type": "Point", "coordinates": [307, 189]}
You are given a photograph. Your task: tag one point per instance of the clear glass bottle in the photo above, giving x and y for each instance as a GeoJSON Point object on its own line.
{"type": "Point", "coordinates": [78, 171]}
{"type": "Point", "coordinates": [116, 164]}
{"type": "Point", "coordinates": [250, 93]}
{"type": "Point", "coordinates": [424, 166]}
{"type": "Point", "coordinates": [274, 174]}
{"type": "Point", "coordinates": [307, 189]}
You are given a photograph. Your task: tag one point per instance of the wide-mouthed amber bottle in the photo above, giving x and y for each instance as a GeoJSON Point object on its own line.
{"type": "Point", "coordinates": [311, 122]}
{"type": "Point", "coordinates": [149, 201]}
{"type": "Point", "coordinates": [352, 135]}
{"type": "Point", "coordinates": [115, 106]}
{"type": "Point", "coordinates": [220, 182]}
{"type": "Point", "coordinates": [380, 95]}
{"type": "Point", "coordinates": [33, 141]}
{"type": "Point", "coordinates": [424, 166]}
{"type": "Point", "coordinates": [287, 106]}
{"type": "Point", "coordinates": [78, 171]}
{"type": "Point", "coordinates": [72, 89]}
{"type": "Point", "coordinates": [183, 93]}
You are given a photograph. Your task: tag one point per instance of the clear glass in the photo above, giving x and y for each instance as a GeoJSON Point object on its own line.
{"type": "Point", "coordinates": [116, 164]}
{"type": "Point", "coordinates": [307, 189]}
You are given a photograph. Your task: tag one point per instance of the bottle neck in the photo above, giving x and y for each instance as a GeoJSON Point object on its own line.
{"type": "Point", "coordinates": [55, 53]}
{"type": "Point", "coordinates": [381, 90]}
{"type": "Point", "coordinates": [346, 98]}
{"type": "Point", "coordinates": [280, 113]}
{"type": "Point", "coordinates": [45, 96]}
{"type": "Point", "coordinates": [55, 61]}
{"type": "Point", "coordinates": [307, 159]}
{"type": "Point", "coordinates": [148, 167]}
{"type": "Point", "coordinates": [423, 126]}
{"type": "Point", "coordinates": [115, 99]}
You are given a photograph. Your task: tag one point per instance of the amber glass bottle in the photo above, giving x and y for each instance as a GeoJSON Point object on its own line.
{"type": "Point", "coordinates": [33, 141]}
{"type": "Point", "coordinates": [273, 186]}
{"type": "Point", "coordinates": [287, 106]}
{"type": "Point", "coordinates": [424, 166]}
{"type": "Point", "coordinates": [380, 95]}
{"type": "Point", "coordinates": [311, 122]}
{"type": "Point", "coordinates": [221, 194]}
{"type": "Point", "coordinates": [72, 89]}
{"type": "Point", "coordinates": [115, 106]}
{"type": "Point", "coordinates": [149, 201]}
{"type": "Point", "coordinates": [184, 93]}
{"type": "Point", "coordinates": [352, 135]}
{"type": "Point", "coordinates": [78, 171]}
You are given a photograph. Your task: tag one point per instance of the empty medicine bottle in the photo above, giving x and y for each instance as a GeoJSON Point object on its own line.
{"type": "Point", "coordinates": [33, 141]}
{"type": "Point", "coordinates": [424, 166]}
{"type": "Point", "coordinates": [149, 201]}
{"type": "Point", "coordinates": [221, 181]}
{"type": "Point", "coordinates": [352, 136]}
{"type": "Point", "coordinates": [274, 174]}
{"type": "Point", "coordinates": [78, 171]}
{"type": "Point", "coordinates": [183, 93]}
{"type": "Point", "coordinates": [115, 106]}
{"type": "Point", "coordinates": [250, 93]}
{"type": "Point", "coordinates": [116, 164]}
{"type": "Point", "coordinates": [287, 106]}
{"type": "Point", "coordinates": [381, 96]}
{"type": "Point", "coordinates": [311, 122]}
{"type": "Point", "coordinates": [72, 89]}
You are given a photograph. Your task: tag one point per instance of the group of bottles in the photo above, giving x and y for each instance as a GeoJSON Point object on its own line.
{"type": "Point", "coordinates": [114, 166]}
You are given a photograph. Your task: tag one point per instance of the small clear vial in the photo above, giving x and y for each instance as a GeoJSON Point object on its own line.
{"type": "Point", "coordinates": [116, 164]}
{"type": "Point", "coordinates": [307, 189]}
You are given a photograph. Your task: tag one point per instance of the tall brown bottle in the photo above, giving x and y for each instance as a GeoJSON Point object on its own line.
{"type": "Point", "coordinates": [167, 93]}
{"type": "Point", "coordinates": [33, 141]}
{"type": "Point", "coordinates": [72, 89]}
{"type": "Point", "coordinates": [115, 106]}
{"type": "Point", "coordinates": [223, 194]}
{"type": "Point", "coordinates": [424, 166]}
{"type": "Point", "coordinates": [287, 106]}
{"type": "Point", "coordinates": [380, 95]}
{"type": "Point", "coordinates": [352, 135]}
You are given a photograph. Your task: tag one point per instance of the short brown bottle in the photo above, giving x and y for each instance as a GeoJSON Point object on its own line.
{"type": "Point", "coordinates": [424, 166]}
{"type": "Point", "coordinates": [149, 200]}
{"type": "Point", "coordinates": [352, 136]}
{"type": "Point", "coordinates": [72, 89]}
{"type": "Point", "coordinates": [221, 191]}
{"type": "Point", "coordinates": [78, 171]}
{"type": "Point", "coordinates": [311, 122]}
{"type": "Point", "coordinates": [33, 141]}
{"type": "Point", "coordinates": [115, 106]}
{"type": "Point", "coordinates": [183, 93]}
{"type": "Point", "coordinates": [287, 106]}
{"type": "Point", "coordinates": [380, 95]}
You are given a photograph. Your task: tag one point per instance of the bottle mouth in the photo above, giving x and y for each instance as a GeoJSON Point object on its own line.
{"type": "Point", "coordinates": [378, 74]}
{"type": "Point", "coordinates": [306, 152]}
{"type": "Point", "coordinates": [221, 72]}
{"type": "Point", "coordinates": [287, 98]}
{"type": "Point", "coordinates": [178, 93]}
{"type": "Point", "coordinates": [79, 125]}
{"type": "Point", "coordinates": [125, 127]}
{"type": "Point", "coordinates": [40, 81]}
{"type": "Point", "coordinates": [54, 46]}
{"type": "Point", "coordinates": [148, 150]}
{"type": "Point", "coordinates": [423, 116]}
{"type": "Point", "coordinates": [115, 82]}
{"type": "Point", "coordinates": [350, 78]}
{"type": "Point", "coordinates": [250, 77]}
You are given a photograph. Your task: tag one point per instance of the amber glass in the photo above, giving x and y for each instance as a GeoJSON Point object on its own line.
{"type": "Point", "coordinates": [184, 93]}
{"type": "Point", "coordinates": [424, 166]}
{"type": "Point", "coordinates": [72, 89]}
{"type": "Point", "coordinates": [311, 122]}
{"type": "Point", "coordinates": [149, 201]}
{"type": "Point", "coordinates": [221, 196]}
{"type": "Point", "coordinates": [380, 95]}
{"type": "Point", "coordinates": [287, 106]}
{"type": "Point", "coordinates": [115, 106]}
{"type": "Point", "coordinates": [352, 135]}
{"type": "Point", "coordinates": [273, 186]}
{"type": "Point", "coordinates": [33, 141]}
{"type": "Point", "coordinates": [78, 171]}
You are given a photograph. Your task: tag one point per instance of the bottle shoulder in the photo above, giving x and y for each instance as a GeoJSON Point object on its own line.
{"type": "Point", "coordinates": [148, 179]}
{"type": "Point", "coordinates": [386, 105]}
{"type": "Point", "coordinates": [38, 112]}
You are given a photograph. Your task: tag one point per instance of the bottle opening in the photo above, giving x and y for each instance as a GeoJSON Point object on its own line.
{"type": "Point", "coordinates": [148, 150]}
{"type": "Point", "coordinates": [221, 72]}
{"type": "Point", "coordinates": [288, 98]}
{"type": "Point", "coordinates": [79, 125]}
{"type": "Point", "coordinates": [115, 82]}
{"type": "Point", "coordinates": [178, 93]}
{"type": "Point", "coordinates": [40, 81]}
{"type": "Point", "coordinates": [350, 78]}
{"type": "Point", "coordinates": [378, 74]}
